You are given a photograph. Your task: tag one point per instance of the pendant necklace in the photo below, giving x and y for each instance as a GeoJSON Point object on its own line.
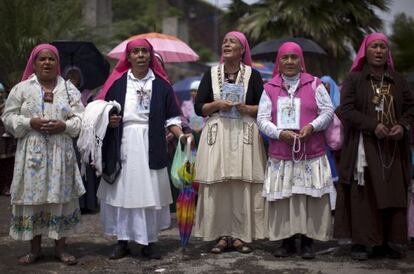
{"type": "Point", "coordinates": [141, 93]}
{"type": "Point", "coordinates": [376, 100]}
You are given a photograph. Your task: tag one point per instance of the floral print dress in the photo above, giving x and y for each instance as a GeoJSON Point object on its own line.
{"type": "Point", "coordinates": [47, 182]}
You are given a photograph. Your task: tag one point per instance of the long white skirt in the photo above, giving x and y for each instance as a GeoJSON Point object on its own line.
{"type": "Point", "coordinates": [141, 225]}
{"type": "Point", "coordinates": [299, 214]}
{"type": "Point", "coordinates": [54, 221]}
{"type": "Point", "coordinates": [297, 200]}
{"type": "Point", "coordinates": [136, 206]}
{"type": "Point", "coordinates": [230, 208]}
{"type": "Point", "coordinates": [285, 178]}
{"type": "Point", "coordinates": [230, 149]}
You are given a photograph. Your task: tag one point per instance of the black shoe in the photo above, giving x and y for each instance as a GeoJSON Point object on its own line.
{"type": "Point", "coordinates": [396, 251]}
{"type": "Point", "coordinates": [150, 252]}
{"type": "Point", "coordinates": [380, 251]}
{"type": "Point", "coordinates": [359, 252]}
{"type": "Point", "coordinates": [306, 248]}
{"type": "Point", "coordinates": [119, 251]}
{"type": "Point", "coordinates": [287, 249]}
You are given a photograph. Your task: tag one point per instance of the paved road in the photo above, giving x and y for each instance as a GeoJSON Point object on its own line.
{"type": "Point", "coordinates": [91, 247]}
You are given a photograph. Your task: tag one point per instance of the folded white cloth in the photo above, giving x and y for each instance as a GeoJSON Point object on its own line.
{"type": "Point", "coordinates": [361, 162]}
{"type": "Point", "coordinates": [94, 124]}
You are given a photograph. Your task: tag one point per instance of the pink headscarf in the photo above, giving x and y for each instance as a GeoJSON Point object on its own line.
{"type": "Point", "coordinates": [247, 59]}
{"type": "Point", "coordinates": [289, 47]}
{"type": "Point", "coordinates": [29, 66]}
{"type": "Point", "coordinates": [358, 62]}
{"type": "Point", "coordinates": [123, 65]}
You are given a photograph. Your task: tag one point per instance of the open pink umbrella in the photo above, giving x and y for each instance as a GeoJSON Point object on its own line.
{"type": "Point", "coordinates": [171, 49]}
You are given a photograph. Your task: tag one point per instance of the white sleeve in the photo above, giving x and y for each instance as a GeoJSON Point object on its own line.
{"type": "Point", "coordinates": [14, 122]}
{"type": "Point", "coordinates": [264, 118]}
{"type": "Point", "coordinates": [325, 109]}
{"type": "Point", "coordinates": [173, 121]}
{"type": "Point", "coordinates": [74, 122]}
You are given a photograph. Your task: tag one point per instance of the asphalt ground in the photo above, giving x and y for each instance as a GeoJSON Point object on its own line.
{"type": "Point", "coordinates": [92, 247]}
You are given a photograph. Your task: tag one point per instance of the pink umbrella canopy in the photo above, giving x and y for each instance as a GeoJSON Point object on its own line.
{"type": "Point", "coordinates": [171, 49]}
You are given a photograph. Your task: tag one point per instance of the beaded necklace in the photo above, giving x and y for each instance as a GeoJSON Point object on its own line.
{"type": "Point", "coordinates": [143, 96]}
{"type": "Point", "coordinates": [220, 76]}
{"type": "Point", "coordinates": [384, 103]}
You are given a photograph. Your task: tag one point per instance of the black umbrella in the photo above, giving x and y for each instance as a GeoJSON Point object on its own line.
{"type": "Point", "coordinates": [87, 58]}
{"type": "Point", "coordinates": [267, 50]}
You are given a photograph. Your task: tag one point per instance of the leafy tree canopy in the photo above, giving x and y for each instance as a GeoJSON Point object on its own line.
{"type": "Point", "coordinates": [401, 42]}
{"type": "Point", "coordinates": [334, 24]}
{"type": "Point", "coordinates": [26, 23]}
{"type": "Point", "coordinates": [132, 17]}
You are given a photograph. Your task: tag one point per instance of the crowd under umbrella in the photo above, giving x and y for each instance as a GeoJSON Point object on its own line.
{"type": "Point", "coordinates": [182, 87]}
{"type": "Point", "coordinates": [265, 69]}
{"type": "Point", "coordinates": [267, 50]}
{"type": "Point", "coordinates": [171, 49]}
{"type": "Point", "coordinates": [316, 58]}
{"type": "Point", "coordinates": [85, 57]}
{"type": "Point", "coordinates": [94, 69]}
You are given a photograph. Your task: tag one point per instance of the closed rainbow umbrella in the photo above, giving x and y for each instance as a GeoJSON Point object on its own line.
{"type": "Point", "coordinates": [185, 213]}
{"type": "Point", "coordinates": [185, 203]}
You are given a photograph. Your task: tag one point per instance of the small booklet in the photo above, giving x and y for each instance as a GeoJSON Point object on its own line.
{"type": "Point", "coordinates": [288, 114]}
{"type": "Point", "coordinates": [235, 94]}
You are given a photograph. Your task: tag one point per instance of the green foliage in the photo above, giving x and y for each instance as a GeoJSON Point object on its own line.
{"type": "Point", "coordinates": [26, 23]}
{"type": "Point", "coordinates": [401, 42]}
{"type": "Point", "coordinates": [332, 24]}
{"type": "Point", "coordinates": [336, 25]}
{"type": "Point", "coordinates": [236, 10]}
{"type": "Point", "coordinates": [131, 17]}
{"type": "Point", "coordinates": [205, 54]}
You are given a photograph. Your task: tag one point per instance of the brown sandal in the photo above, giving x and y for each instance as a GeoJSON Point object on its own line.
{"type": "Point", "coordinates": [30, 258]}
{"type": "Point", "coordinates": [222, 244]}
{"type": "Point", "coordinates": [241, 246]}
{"type": "Point", "coordinates": [66, 258]}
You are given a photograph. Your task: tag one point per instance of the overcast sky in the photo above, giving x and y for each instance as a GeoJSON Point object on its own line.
{"type": "Point", "coordinates": [397, 6]}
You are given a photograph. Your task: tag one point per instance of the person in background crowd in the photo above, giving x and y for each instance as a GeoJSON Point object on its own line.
{"type": "Point", "coordinates": [187, 107]}
{"type": "Point", "coordinates": [335, 95]}
{"type": "Point", "coordinates": [74, 74]}
{"type": "Point", "coordinates": [135, 193]}
{"type": "Point", "coordinates": [377, 109]}
{"type": "Point", "coordinates": [411, 190]}
{"type": "Point", "coordinates": [294, 111]}
{"type": "Point", "coordinates": [172, 142]}
{"type": "Point", "coordinates": [230, 158]}
{"type": "Point", "coordinates": [88, 202]}
{"type": "Point", "coordinates": [44, 113]}
{"type": "Point", "coordinates": [7, 150]}
{"type": "Point", "coordinates": [333, 90]}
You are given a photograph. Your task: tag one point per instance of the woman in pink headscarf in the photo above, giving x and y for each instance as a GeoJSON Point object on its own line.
{"type": "Point", "coordinates": [377, 109]}
{"type": "Point", "coordinates": [135, 191]}
{"type": "Point", "coordinates": [44, 113]}
{"type": "Point", "coordinates": [294, 111]}
{"type": "Point", "coordinates": [230, 159]}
